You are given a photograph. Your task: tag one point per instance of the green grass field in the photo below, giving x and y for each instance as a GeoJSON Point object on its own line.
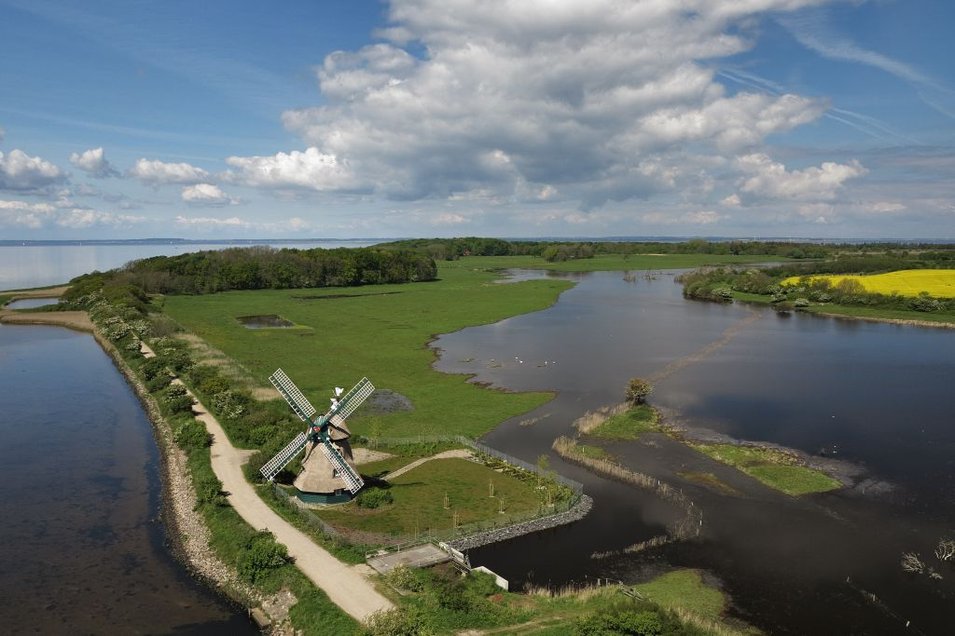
{"type": "Point", "coordinates": [773, 468]}
{"type": "Point", "coordinates": [642, 418]}
{"type": "Point", "coordinates": [685, 589]}
{"type": "Point", "coordinates": [377, 331]}
{"type": "Point", "coordinates": [419, 498]}
{"type": "Point", "coordinates": [909, 282]}
{"type": "Point", "coordinates": [382, 331]}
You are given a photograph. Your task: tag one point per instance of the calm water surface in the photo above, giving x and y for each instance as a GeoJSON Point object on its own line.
{"type": "Point", "coordinates": [82, 548]}
{"type": "Point", "coordinates": [877, 395]}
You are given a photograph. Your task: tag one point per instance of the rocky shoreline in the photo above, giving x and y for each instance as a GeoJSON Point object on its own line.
{"type": "Point", "coordinates": [187, 532]}
{"type": "Point", "coordinates": [576, 513]}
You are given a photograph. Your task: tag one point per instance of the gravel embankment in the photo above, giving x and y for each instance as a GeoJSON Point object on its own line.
{"type": "Point", "coordinates": [576, 513]}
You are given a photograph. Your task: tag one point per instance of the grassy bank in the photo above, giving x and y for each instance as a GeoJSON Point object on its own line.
{"type": "Point", "coordinates": [244, 564]}
{"type": "Point", "coordinates": [676, 603]}
{"type": "Point", "coordinates": [772, 467]}
{"type": "Point", "coordinates": [628, 424]}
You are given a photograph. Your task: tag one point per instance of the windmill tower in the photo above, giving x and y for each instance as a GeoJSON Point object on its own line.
{"type": "Point", "coordinates": [329, 475]}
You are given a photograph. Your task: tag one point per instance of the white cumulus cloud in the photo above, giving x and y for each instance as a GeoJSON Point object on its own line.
{"type": "Point", "coordinates": [93, 161]}
{"type": "Point", "coordinates": [207, 194]}
{"type": "Point", "coordinates": [310, 169]}
{"type": "Point", "coordinates": [19, 171]}
{"type": "Point", "coordinates": [768, 179]}
{"type": "Point", "coordinates": [155, 172]}
{"type": "Point", "coordinates": [571, 100]}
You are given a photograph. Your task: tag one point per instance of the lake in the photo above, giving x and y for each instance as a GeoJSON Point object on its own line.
{"type": "Point", "coordinates": [82, 545]}
{"type": "Point", "coordinates": [876, 395]}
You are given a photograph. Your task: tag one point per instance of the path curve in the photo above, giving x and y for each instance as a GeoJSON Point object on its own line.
{"type": "Point", "coordinates": [457, 452]}
{"type": "Point", "coordinates": [345, 586]}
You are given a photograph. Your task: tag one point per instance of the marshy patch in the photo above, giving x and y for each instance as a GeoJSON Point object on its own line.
{"type": "Point", "coordinates": [265, 321]}
{"type": "Point", "coordinates": [387, 401]}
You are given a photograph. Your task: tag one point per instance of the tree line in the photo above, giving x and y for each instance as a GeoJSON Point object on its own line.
{"type": "Point", "coordinates": [454, 248]}
{"type": "Point", "coordinates": [213, 271]}
{"type": "Point", "coordinates": [719, 284]}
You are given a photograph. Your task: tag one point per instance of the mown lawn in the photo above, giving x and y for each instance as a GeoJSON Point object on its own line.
{"type": "Point", "coordinates": [419, 500]}
{"type": "Point", "coordinates": [773, 468]}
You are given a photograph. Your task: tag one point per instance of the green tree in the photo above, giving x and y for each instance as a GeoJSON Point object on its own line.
{"type": "Point", "coordinates": [638, 390]}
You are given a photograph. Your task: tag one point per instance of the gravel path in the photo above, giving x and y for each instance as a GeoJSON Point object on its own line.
{"type": "Point", "coordinates": [345, 585]}
{"type": "Point", "coordinates": [458, 452]}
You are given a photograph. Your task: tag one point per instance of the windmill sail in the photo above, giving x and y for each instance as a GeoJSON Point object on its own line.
{"type": "Point", "coordinates": [299, 403]}
{"type": "Point", "coordinates": [348, 404]}
{"type": "Point", "coordinates": [351, 478]}
{"type": "Point", "coordinates": [275, 465]}
{"type": "Point", "coordinates": [322, 431]}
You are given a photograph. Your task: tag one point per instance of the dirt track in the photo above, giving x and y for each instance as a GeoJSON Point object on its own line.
{"type": "Point", "coordinates": [345, 585]}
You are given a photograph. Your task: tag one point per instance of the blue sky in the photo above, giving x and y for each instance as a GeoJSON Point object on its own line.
{"type": "Point", "coordinates": [519, 118]}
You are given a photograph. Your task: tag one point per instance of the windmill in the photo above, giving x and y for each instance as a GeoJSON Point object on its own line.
{"type": "Point", "coordinates": [327, 474]}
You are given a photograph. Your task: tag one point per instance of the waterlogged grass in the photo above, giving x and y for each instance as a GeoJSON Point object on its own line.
{"type": "Point", "coordinates": [381, 332]}
{"type": "Point", "coordinates": [420, 496]}
{"type": "Point", "coordinates": [907, 282]}
{"type": "Point", "coordinates": [630, 424]}
{"type": "Point", "coordinates": [773, 468]}
{"type": "Point", "coordinates": [593, 452]}
{"type": "Point", "coordinates": [708, 480]}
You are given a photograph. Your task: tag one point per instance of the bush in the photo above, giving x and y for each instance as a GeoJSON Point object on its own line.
{"type": "Point", "coordinates": [924, 302]}
{"type": "Point", "coordinates": [152, 368]}
{"type": "Point", "coordinates": [158, 382]}
{"type": "Point", "coordinates": [638, 390]}
{"type": "Point", "coordinates": [405, 578]}
{"type": "Point", "coordinates": [261, 556]}
{"type": "Point", "coordinates": [374, 497]}
{"type": "Point", "coordinates": [209, 492]}
{"type": "Point", "coordinates": [191, 434]}
{"type": "Point", "coordinates": [229, 404]}
{"type": "Point", "coordinates": [398, 622]}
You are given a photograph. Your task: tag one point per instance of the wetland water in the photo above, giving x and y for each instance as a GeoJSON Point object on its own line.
{"type": "Point", "coordinates": [876, 395]}
{"type": "Point", "coordinates": [82, 548]}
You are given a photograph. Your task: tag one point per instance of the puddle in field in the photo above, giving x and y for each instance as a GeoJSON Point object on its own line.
{"type": "Point", "coordinates": [269, 321]}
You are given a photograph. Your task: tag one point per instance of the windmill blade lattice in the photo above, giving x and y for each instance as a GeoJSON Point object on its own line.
{"type": "Point", "coordinates": [318, 429]}
{"type": "Point", "coordinates": [295, 398]}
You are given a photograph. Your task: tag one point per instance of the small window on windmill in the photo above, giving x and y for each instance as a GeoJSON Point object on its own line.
{"type": "Point", "coordinates": [334, 472]}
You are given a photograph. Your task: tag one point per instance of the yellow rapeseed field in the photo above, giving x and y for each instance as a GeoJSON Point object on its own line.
{"type": "Point", "coordinates": [907, 282]}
